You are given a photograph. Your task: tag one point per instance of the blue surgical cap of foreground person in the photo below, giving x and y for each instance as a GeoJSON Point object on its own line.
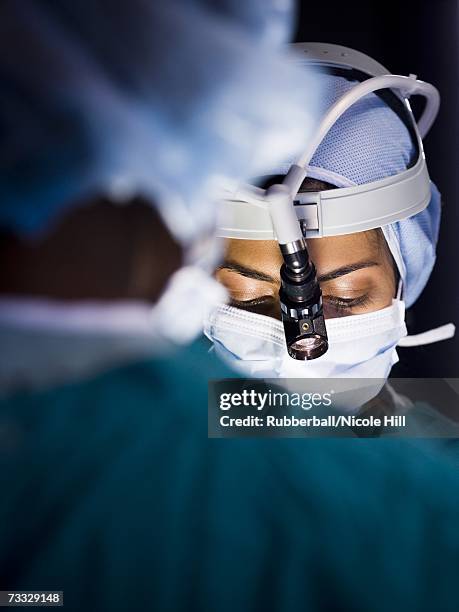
{"type": "Point", "coordinates": [117, 122]}
{"type": "Point", "coordinates": [116, 118]}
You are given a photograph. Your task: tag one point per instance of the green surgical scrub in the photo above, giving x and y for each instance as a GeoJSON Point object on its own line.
{"type": "Point", "coordinates": [112, 492]}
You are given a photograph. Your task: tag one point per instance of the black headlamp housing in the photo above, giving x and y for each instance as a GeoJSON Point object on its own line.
{"type": "Point", "coordinates": [301, 308]}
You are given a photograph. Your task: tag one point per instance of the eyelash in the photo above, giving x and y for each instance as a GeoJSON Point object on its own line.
{"type": "Point", "coordinates": [248, 303]}
{"type": "Point", "coordinates": [336, 302]}
{"type": "Point", "coordinates": [348, 304]}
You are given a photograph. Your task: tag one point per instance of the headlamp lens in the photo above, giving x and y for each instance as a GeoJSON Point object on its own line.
{"type": "Point", "coordinates": [309, 347]}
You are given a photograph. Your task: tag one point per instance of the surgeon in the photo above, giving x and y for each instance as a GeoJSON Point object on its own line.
{"type": "Point", "coordinates": [368, 167]}
{"type": "Point", "coordinates": [116, 118]}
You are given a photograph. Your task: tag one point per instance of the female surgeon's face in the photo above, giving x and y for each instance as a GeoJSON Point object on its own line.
{"type": "Point", "coordinates": [356, 273]}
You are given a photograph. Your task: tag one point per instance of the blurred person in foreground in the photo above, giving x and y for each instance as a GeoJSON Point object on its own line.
{"type": "Point", "coordinates": [115, 116]}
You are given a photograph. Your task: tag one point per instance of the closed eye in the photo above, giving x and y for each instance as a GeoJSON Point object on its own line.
{"type": "Point", "coordinates": [347, 304]}
{"type": "Point", "coordinates": [265, 305]}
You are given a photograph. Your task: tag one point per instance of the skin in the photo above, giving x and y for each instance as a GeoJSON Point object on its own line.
{"type": "Point", "coordinates": [99, 251]}
{"type": "Point", "coordinates": [356, 271]}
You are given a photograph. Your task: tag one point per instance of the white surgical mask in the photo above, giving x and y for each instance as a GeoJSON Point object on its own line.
{"type": "Point", "coordinates": [360, 346]}
{"type": "Point", "coordinates": [190, 295]}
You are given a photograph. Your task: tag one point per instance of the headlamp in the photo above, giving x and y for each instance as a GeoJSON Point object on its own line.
{"type": "Point", "coordinates": [300, 295]}
{"type": "Point", "coordinates": [301, 304]}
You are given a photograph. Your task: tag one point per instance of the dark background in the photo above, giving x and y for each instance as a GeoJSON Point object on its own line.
{"type": "Point", "coordinates": [419, 37]}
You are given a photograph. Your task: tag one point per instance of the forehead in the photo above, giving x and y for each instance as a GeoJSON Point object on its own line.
{"type": "Point", "coordinates": [326, 253]}
{"type": "Point", "coordinates": [339, 250]}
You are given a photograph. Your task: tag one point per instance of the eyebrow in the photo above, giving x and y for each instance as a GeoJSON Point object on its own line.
{"type": "Point", "coordinates": [234, 266]}
{"type": "Point", "coordinates": [343, 270]}
{"type": "Point", "coordinates": [249, 272]}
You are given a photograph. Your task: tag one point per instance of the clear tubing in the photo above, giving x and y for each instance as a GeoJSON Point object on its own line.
{"type": "Point", "coordinates": [408, 86]}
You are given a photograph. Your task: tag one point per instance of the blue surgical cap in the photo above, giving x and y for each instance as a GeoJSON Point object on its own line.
{"type": "Point", "coordinates": [157, 98]}
{"type": "Point", "coordinates": [370, 142]}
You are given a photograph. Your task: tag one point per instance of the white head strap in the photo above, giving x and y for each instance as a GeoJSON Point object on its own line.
{"type": "Point", "coordinates": [246, 213]}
